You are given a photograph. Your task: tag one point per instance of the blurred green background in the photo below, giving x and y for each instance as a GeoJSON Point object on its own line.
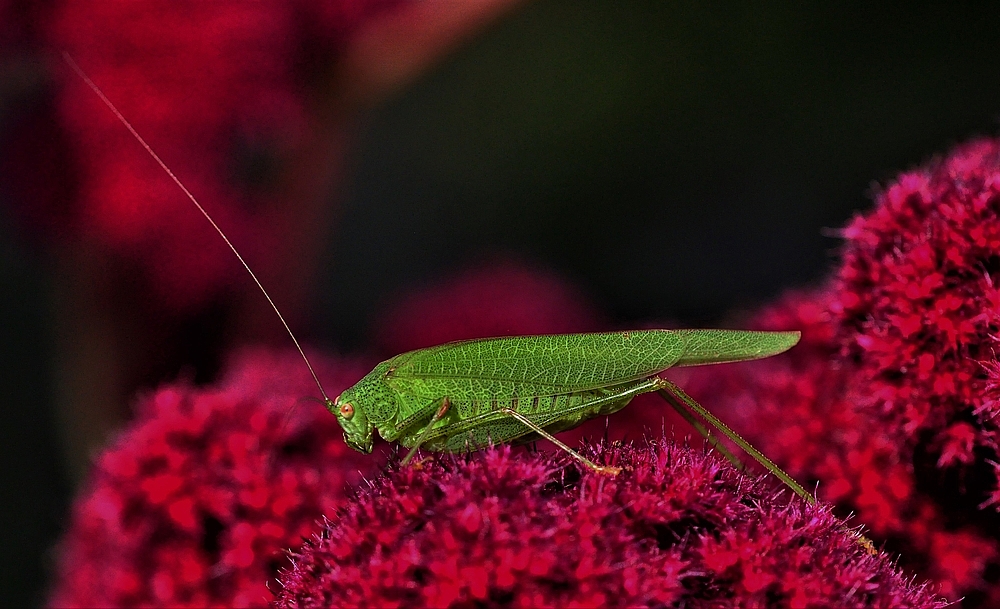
{"type": "Point", "coordinates": [676, 161]}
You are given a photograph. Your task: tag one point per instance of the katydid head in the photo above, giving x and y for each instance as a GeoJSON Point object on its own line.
{"type": "Point", "coordinates": [358, 430]}
{"type": "Point", "coordinates": [369, 403]}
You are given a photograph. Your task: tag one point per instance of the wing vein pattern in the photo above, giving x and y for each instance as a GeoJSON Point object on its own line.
{"type": "Point", "coordinates": [519, 366]}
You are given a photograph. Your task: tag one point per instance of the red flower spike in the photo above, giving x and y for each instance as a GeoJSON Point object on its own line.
{"type": "Point", "coordinates": [197, 500]}
{"type": "Point", "coordinates": [918, 314]}
{"type": "Point", "coordinates": [551, 536]}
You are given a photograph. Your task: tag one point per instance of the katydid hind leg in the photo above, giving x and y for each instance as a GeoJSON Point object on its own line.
{"type": "Point", "coordinates": [671, 388]}
{"type": "Point", "coordinates": [671, 392]}
{"type": "Point", "coordinates": [706, 433]}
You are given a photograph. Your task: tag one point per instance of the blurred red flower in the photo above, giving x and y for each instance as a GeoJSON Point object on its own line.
{"type": "Point", "coordinates": [500, 298]}
{"type": "Point", "coordinates": [250, 104]}
{"type": "Point", "coordinates": [221, 90]}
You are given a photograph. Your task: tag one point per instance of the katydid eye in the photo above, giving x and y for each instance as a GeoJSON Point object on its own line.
{"type": "Point", "coordinates": [347, 410]}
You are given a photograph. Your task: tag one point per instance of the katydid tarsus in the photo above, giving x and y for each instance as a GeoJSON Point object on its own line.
{"type": "Point", "coordinates": [461, 396]}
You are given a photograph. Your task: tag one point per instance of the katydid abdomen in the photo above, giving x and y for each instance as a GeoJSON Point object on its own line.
{"type": "Point", "coordinates": [471, 425]}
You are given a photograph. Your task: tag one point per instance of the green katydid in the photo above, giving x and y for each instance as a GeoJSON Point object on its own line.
{"type": "Point", "coordinates": [463, 395]}
{"type": "Point", "coordinates": [460, 396]}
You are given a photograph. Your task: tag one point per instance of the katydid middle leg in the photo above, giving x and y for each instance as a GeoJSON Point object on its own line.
{"type": "Point", "coordinates": [538, 427]}
{"type": "Point", "coordinates": [600, 469]}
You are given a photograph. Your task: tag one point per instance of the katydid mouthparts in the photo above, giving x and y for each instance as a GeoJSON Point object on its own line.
{"type": "Point", "coordinates": [464, 395]}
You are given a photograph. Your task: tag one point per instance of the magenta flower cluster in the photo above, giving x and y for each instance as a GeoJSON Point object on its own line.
{"type": "Point", "coordinates": [919, 304]}
{"type": "Point", "coordinates": [678, 528]}
{"type": "Point", "coordinates": [195, 504]}
{"type": "Point", "coordinates": [889, 403]}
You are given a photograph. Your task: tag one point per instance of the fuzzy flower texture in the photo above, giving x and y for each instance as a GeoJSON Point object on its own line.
{"type": "Point", "coordinates": [195, 505]}
{"type": "Point", "coordinates": [889, 402]}
{"type": "Point", "coordinates": [677, 529]}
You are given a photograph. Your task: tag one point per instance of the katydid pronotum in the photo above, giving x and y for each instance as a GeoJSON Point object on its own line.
{"type": "Point", "coordinates": [460, 396]}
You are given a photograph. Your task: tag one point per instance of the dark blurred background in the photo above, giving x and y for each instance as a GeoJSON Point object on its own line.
{"type": "Point", "coordinates": [676, 162]}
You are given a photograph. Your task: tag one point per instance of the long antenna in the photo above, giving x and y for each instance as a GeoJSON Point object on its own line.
{"type": "Point", "coordinates": [124, 121]}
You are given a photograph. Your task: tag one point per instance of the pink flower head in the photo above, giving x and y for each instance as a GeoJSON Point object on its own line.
{"type": "Point", "coordinates": [918, 306]}
{"type": "Point", "coordinates": [676, 528]}
{"type": "Point", "coordinates": [195, 503]}
{"type": "Point", "coordinates": [888, 401]}
{"type": "Point", "coordinates": [918, 312]}
{"type": "Point", "coordinates": [806, 410]}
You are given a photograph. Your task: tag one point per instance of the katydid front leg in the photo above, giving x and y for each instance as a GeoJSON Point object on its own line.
{"type": "Point", "coordinates": [438, 415]}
